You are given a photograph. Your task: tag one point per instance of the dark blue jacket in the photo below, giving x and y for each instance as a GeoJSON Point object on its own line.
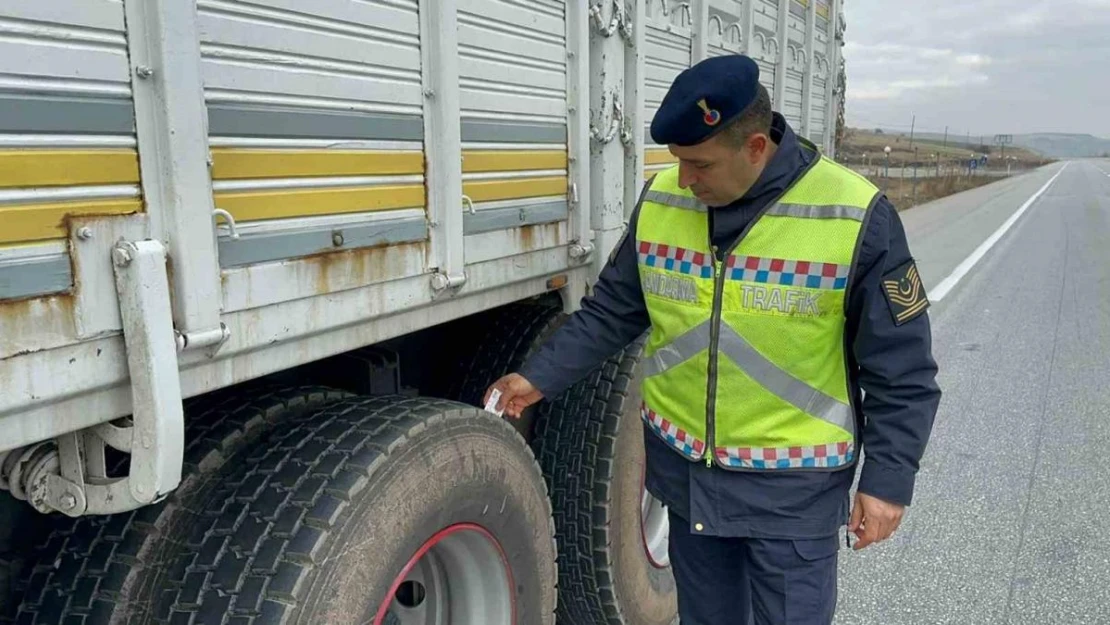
{"type": "Point", "coordinates": [892, 364]}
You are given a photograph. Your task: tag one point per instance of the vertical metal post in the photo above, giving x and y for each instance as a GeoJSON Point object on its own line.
{"type": "Point", "coordinates": [783, 49]}
{"type": "Point", "coordinates": [915, 179]}
{"type": "Point", "coordinates": [699, 32]}
{"type": "Point", "coordinates": [832, 85]}
{"type": "Point", "coordinates": [607, 154]}
{"type": "Point", "coordinates": [578, 136]}
{"type": "Point", "coordinates": [171, 124]}
{"type": "Point", "coordinates": [747, 23]}
{"type": "Point", "coordinates": [578, 117]}
{"type": "Point", "coordinates": [634, 107]}
{"type": "Point", "coordinates": [810, 67]}
{"type": "Point", "coordinates": [439, 56]}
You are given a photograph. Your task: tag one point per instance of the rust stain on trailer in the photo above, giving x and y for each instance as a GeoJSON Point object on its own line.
{"type": "Point", "coordinates": [340, 270]}
{"type": "Point", "coordinates": [31, 324]}
{"type": "Point", "coordinates": [538, 236]}
{"type": "Point", "coordinates": [39, 322]}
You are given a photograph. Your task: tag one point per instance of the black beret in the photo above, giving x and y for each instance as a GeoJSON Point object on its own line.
{"type": "Point", "coordinates": [704, 99]}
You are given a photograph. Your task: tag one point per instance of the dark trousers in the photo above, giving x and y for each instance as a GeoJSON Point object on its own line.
{"type": "Point", "coordinates": [744, 581]}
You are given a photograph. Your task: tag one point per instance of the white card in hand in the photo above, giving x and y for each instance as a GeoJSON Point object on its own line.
{"type": "Point", "coordinates": [491, 405]}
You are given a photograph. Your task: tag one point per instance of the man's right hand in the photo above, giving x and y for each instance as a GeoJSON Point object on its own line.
{"type": "Point", "coordinates": [517, 393]}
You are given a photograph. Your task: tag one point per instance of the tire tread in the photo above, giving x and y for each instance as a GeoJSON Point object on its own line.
{"type": "Point", "coordinates": [297, 519]}
{"type": "Point", "coordinates": [84, 563]}
{"type": "Point", "coordinates": [575, 442]}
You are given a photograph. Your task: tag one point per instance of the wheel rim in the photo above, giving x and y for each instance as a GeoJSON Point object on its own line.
{"type": "Point", "coordinates": [459, 576]}
{"type": "Point", "coordinates": [655, 527]}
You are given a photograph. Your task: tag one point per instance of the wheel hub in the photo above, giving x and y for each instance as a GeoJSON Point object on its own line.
{"type": "Point", "coordinates": [655, 527]}
{"type": "Point", "coordinates": [460, 576]}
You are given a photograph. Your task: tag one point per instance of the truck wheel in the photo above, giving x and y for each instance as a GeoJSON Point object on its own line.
{"type": "Point", "coordinates": [612, 536]}
{"type": "Point", "coordinates": [378, 511]}
{"type": "Point", "coordinates": [102, 570]}
{"type": "Point", "coordinates": [19, 525]}
{"type": "Point", "coordinates": [511, 335]}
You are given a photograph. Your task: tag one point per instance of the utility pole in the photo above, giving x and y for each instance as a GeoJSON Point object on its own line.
{"type": "Point", "coordinates": [913, 124]}
{"type": "Point", "coordinates": [946, 136]}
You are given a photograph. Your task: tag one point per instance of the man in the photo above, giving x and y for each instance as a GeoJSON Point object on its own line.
{"type": "Point", "coordinates": [778, 287]}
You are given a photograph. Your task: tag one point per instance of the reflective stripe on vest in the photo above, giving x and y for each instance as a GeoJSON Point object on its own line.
{"type": "Point", "coordinates": [746, 361]}
{"type": "Point", "coordinates": [763, 371]}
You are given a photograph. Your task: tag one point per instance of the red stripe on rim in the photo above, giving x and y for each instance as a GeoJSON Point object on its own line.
{"type": "Point", "coordinates": [439, 537]}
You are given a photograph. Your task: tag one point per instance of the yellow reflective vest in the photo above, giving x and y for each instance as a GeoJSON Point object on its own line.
{"type": "Point", "coordinates": [746, 365]}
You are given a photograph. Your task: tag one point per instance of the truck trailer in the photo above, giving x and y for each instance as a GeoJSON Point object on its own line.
{"type": "Point", "coordinates": [259, 262]}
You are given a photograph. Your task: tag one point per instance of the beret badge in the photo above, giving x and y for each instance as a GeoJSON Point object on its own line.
{"type": "Point", "coordinates": [712, 117]}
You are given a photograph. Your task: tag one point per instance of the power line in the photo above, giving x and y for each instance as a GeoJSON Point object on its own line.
{"type": "Point", "coordinates": [864, 124]}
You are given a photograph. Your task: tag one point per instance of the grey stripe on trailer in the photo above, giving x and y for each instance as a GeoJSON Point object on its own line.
{"type": "Point", "coordinates": [269, 246]}
{"type": "Point", "coordinates": [512, 132]}
{"type": "Point", "coordinates": [241, 120]}
{"type": "Point", "coordinates": [37, 276]}
{"type": "Point", "coordinates": [491, 219]}
{"type": "Point", "coordinates": [39, 113]}
{"type": "Point", "coordinates": [42, 113]}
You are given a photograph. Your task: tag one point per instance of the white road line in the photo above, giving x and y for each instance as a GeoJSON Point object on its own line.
{"type": "Point", "coordinates": [961, 270]}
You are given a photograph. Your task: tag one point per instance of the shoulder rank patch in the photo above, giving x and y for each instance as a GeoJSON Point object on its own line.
{"type": "Point", "coordinates": [905, 293]}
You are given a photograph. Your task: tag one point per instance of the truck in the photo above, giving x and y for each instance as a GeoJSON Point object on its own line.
{"type": "Point", "coordinates": [259, 262]}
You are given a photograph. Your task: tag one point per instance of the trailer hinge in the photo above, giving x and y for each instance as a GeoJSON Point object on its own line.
{"type": "Point", "coordinates": [580, 251]}
{"type": "Point", "coordinates": [70, 473]}
{"type": "Point", "coordinates": [214, 337]}
{"type": "Point", "coordinates": [615, 122]}
{"type": "Point", "coordinates": [443, 281]}
{"type": "Point", "coordinates": [620, 21]}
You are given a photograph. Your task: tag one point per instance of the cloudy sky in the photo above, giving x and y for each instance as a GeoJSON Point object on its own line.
{"type": "Point", "coordinates": [988, 66]}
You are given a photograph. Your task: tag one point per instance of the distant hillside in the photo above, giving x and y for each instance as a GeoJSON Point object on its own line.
{"type": "Point", "coordinates": [1060, 145]}
{"type": "Point", "coordinates": [858, 142]}
{"type": "Point", "coordinates": [1050, 144]}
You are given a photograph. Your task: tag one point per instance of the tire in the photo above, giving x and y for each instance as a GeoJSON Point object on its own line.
{"type": "Point", "coordinates": [322, 520]}
{"type": "Point", "coordinates": [591, 448]}
{"type": "Point", "coordinates": [103, 570]}
{"type": "Point", "coordinates": [20, 525]}
{"type": "Point", "coordinates": [511, 335]}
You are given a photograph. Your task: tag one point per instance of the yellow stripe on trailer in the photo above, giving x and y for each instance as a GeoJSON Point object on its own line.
{"type": "Point", "coordinates": [475, 161]}
{"type": "Point", "coordinates": [41, 222]}
{"type": "Point", "coordinates": [659, 157]}
{"type": "Point", "coordinates": [241, 163]}
{"type": "Point", "coordinates": [492, 190]}
{"type": "Point", "coordinates": [53, 168]}
{"type": "Point", "coordinates": [58, 168]}
{"type": "Point", "coordinates": [285, 203]}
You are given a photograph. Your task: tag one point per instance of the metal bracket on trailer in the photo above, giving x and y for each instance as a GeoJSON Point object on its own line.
{"type": "Point", "coordinates": [157, 445]}
{"type": "Point", "coordinates": [70, 474]}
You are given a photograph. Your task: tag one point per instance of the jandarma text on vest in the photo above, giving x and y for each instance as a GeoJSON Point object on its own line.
{"type": "Point", "coordinates": [673, 287]}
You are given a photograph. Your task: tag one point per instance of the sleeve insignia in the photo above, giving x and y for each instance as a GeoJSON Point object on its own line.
{"type": "Point", "coordinates": [905, 294]}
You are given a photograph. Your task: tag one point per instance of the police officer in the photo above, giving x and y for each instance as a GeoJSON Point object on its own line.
{"type": "Point", "coordinates": [788, 334]}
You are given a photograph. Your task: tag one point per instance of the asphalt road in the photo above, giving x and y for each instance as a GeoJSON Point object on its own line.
{"type": "Point", "coordinates": [1011, 517]}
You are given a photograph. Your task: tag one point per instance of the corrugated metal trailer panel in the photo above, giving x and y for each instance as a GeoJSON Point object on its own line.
{"type": "Point", "coordinates": [67, 143]}
{"type": "Point", "coordinates": [513, 112]}
{"type": "Point", "coordinates": [375, 166]}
